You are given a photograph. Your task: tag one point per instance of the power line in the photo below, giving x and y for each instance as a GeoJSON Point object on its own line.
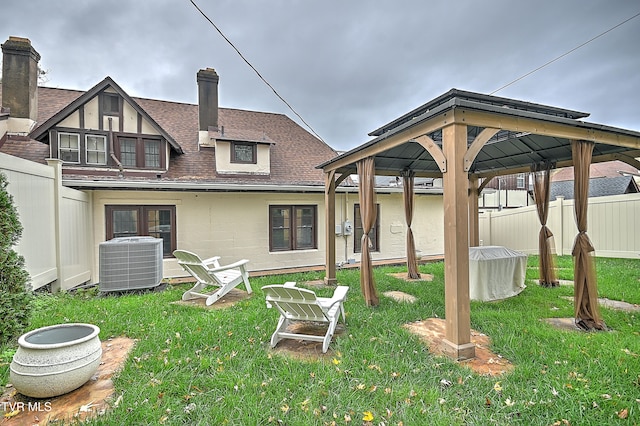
{"type": "Point", "coordinates": [565, 54]}
{"type": "Point", "coordinates": [255, 70]}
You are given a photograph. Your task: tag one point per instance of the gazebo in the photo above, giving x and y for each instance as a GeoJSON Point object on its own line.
{"type": "Point", "coordinates": [466, 139]}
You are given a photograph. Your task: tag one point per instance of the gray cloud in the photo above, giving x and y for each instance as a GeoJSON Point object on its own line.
{"type": "Point", "coordinates": [346, 67]}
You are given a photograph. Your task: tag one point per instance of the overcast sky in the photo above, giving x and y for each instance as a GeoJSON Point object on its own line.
{"type": "Point", "coordinates": [346, 66]}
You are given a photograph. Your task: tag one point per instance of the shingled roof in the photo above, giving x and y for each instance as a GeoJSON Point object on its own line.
{"type": "Point", "coordinates": [294, 151]}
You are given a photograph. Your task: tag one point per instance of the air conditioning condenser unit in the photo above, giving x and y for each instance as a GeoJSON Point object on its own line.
{"type": "Point", "coordinates": [130, 263]}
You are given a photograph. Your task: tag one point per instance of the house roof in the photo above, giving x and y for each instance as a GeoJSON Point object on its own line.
{"type": "Point", "coordinates": [43, 128]}
{"type": "Point", "coordinates": [609, 169]}
{"type": "Point", "coordinates": [598, 187]}
{"type": "Point", "coordinates": [294, 151]}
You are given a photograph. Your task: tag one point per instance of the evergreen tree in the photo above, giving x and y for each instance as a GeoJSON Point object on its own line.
{"type": "Point", "coordinates": [16, 296]}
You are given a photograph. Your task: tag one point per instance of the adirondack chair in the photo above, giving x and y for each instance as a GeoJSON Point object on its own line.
{"type": "Point", "coordinates": [298, 304]}
{"type": "Point", "coordinates": [210, 272]}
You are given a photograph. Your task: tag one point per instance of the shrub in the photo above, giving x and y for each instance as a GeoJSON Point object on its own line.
{"type": "Point", "coordinates": [15, 293]}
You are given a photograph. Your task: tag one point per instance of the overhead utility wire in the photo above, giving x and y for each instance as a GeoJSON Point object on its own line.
{"type": "Point", "coordinates": [255, 70]}
{"type": "Point", "coordinates": [565, 54]}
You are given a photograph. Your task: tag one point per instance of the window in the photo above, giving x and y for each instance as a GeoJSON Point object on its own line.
{"type": "Point", "coordinates": [374, 234]}
{"type": "Point", "coordinates": [152, 153]}
{"type": "Point", "coordinates": [292, 228]}
{"type": "Point", "coordinates": [110, 104]}
{"type": "Point", "coordinates": [520, 181]}
{"type": "Point", "coordinates": [153, 221]}
{"type": "Point", "coordinates": [96, 147]}
{"type": "Point", "coordinates": [243, 152]}
{"type": "Point", "coordinates": [138, 152]}
{"type": "Point", "coordinates": [128, 152]}
{"type": "Point", "coordinates": [69, 147]}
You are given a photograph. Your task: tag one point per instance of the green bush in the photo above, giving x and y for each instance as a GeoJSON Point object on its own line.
{"type": "Point", "coordinates": [15, 293]}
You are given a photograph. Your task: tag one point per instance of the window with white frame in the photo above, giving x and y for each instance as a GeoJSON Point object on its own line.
{"type": "Point", "coordinates": [69, 147]}
{"type": "Point", "coordinates": [96, 149]}
{"type": "Point", "coordinates": [520, 181]}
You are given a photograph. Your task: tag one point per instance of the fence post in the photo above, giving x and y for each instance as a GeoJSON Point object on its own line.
{"type": "Point", "coordinates": [56, 164]}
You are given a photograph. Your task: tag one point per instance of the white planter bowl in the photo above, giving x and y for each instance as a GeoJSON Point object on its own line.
{"type": "Point", "coordinates": [54, 360]}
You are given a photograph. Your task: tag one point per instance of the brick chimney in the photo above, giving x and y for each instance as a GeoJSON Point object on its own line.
{"type": "Point", "coordinates": [20, 78]}
{"type": "Point", "coordinates": [207, 99]}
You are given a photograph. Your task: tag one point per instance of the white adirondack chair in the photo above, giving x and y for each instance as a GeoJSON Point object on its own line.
{"type": "Point", "coordinates": [210, 272]}
{"type": "Point", "coordinates": [298, 304]}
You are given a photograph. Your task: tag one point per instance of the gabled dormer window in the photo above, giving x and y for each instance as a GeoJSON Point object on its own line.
{"type": "Point", "coordinates": [243, 152]}
{"type": "Point", "coordinates": [69, 147]}
{"type": "Point", "coordinates": [110, 104]}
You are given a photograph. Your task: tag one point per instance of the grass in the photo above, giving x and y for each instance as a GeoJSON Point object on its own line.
{"type": "Point", "coordinates": [205, 367]}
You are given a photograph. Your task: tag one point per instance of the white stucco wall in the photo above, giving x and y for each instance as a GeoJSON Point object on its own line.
{"type": "Point", "coordinates": [236, 225]}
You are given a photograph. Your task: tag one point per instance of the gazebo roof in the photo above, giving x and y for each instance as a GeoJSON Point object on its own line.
{"type": "Point", "coordinates": [528, 133]}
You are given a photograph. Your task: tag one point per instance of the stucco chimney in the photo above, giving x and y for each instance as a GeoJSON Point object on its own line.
{"type": "Point", "coordinates": [20, 78]}
{"type": "Point", "coordinates": [208, 99]}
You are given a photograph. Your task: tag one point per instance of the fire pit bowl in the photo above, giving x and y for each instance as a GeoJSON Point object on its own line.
{"type": "Point", "coordinates": [54, 360]}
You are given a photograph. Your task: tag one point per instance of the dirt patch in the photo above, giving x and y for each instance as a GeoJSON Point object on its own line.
{"type": "Point", "coordinates": [92, 398]}
{"type": "Point", "coordinates": [432, 331]}
{"type": "Point", "coordinates": [405, 276]}
{"type": "Point", "coordinates": [234, 296]}
{"type": "Point", "coordinates": [304, 349]}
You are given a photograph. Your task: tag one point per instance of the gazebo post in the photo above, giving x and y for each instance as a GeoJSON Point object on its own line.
{"type": "Point", "coordinates": [457, 342]}
{"type": "Point", "coordinates": [330, 227]}
{"type": "Point", "coordinates": [474, 225]}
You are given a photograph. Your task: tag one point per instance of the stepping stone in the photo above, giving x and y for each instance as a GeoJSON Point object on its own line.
{"type": "Point", "coordinates": [613, 304]}
{"type": "Point", "coordinates": [400, 296]}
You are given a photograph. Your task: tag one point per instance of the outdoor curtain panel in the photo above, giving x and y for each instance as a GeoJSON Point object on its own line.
{"type": "Point", "coordinates": [367, 179]}
{"type": "Point", "coordinates": [541, 194]}
{"type": "Point", "coordinates": [407, 192]}
{"type": "Point", "coordinates": [587, 312]}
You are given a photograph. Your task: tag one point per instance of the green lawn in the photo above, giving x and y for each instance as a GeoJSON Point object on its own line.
{"type": "Point", "coordinates": [209, 367]}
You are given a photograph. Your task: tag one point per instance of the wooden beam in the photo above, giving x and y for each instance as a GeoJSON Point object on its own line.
{"type": "Point", "coordinates": [472, 117]}
{"type": "Point", "coordinates": [476, 146]}
{"type": "Point", "coordinates": [330, 227]}
{"type": "Point", "coordinates": [474, 224]}
{"type": "Point", "coordinates": [432, 148]}
{"type": "Point", "coordinates": [457, 342]}
{"type": "Point", "coordinates": [381, 145]}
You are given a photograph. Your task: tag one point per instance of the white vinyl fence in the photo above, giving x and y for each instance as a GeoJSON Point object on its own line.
{"type": "Point", "coordinates": [613, 225]}
{"type": "Point", "coordinates": [56, 223]}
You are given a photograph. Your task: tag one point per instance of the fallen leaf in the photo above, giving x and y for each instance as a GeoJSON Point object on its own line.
{"type": "Point", "coordinates": [445, 383]}
{"type": "Point", "coordinates": [497, 387]}
{"type": "Point", "coordinates": [86, 408]}
{"type": "Point", "coordinates": [12, 414]}
{"type": "Point", "coordinates": [623, 414]}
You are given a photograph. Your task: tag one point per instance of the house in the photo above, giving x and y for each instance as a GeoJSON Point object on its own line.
{"type": "Point", "coordinates": [608, 178]}
{"type": "Point", "coordinates": [216, 181]}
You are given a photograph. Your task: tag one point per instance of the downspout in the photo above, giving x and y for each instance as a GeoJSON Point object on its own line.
{"type": "Point", "coordinates": [111, 152]}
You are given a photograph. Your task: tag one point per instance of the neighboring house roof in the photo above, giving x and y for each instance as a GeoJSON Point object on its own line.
{"type": "Point", "coordinates": [598, 187]}
{"type": "Point", "coordinates": [605, 169]}
{"type": "Point", "coordinates": [294, 151]}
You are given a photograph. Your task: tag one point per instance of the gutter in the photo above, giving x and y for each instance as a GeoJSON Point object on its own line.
{"type": "Point", "coordinates": [220, 187]}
